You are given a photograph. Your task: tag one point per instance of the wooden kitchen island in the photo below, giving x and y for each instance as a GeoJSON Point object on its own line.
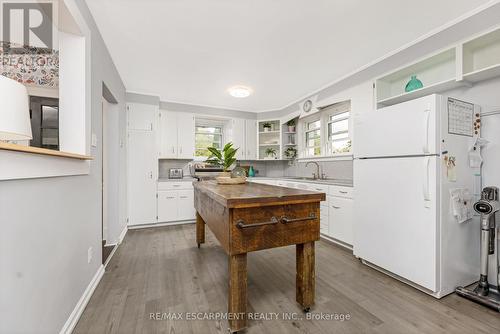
{"type": "Point", "coordinates": [251, 217]}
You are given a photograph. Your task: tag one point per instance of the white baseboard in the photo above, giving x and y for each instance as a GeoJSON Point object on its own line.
{"type": "Point", "coordinates": [122, 235]}
{"type": "Point", "coordinates": [335, 241]}
{"type": "Point", "coordinates": [82, 303]}
{"type": "Point", "coordinates": [136, 227]}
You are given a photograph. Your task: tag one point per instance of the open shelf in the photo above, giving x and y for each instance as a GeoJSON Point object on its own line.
{"type": "Point", "coordinates": [426, 90]}
{"type": "Point", "coordinates": [437, 73]}
{"type": "Point", "coordinates": [481, 57]}
{"type": "Point", "coordinates": [269, 139]}
{"type": "Point", "coordinates": [268, 132]}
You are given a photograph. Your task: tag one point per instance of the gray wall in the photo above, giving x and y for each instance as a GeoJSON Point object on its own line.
{"type": "Point", "coordinates": [48, 225]}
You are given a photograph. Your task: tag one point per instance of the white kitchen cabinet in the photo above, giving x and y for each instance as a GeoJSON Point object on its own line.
{"type": "Point", "coordinates": [243, 134]}
{"type": "Point", "coordinates": [176, 132]}
{"type": "Point", "coordinates": [141, 117]}
{"type": "Point", "coordinates": [167, 205]}
{"type": "Point", "coordinates": [251, 139]}
{"type": "Point", "coordinates": [175, 202]}
{"type": "Point", "coordinates": [237, 137]}
{"type": "Point", "coordinates": [185, 135]}
{"type": "Point", "coordinates": [340, 224]}
{"type": "Point", "coordinates": [185, 206]}
{"type": "Point", "coordinates": [142, 175]}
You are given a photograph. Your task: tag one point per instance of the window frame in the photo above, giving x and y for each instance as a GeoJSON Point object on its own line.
{"type": "Point", "coordinates": [330, 122]}
{"type": "Point", "coordinates": [306, 138]}
{"type": "Point", "coordinates": [208, 124]}
{"type": "Point", "coordinates": [324, 116]}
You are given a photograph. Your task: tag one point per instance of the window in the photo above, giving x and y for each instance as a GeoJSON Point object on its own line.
{"type": "Point", "coordinates": [338, 132]}
{"type": "Point", "coordinates": [313, 138]}
{"type": "Point", "coordinates": [207, 136]}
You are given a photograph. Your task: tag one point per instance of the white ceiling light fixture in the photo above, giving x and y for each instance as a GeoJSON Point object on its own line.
{"type": "Point", "coordinates": [240, 91]}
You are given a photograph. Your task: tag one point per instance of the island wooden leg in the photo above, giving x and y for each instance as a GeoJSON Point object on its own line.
{"type": "Point", "coordinates": [305, 279]}
{"type": "Point", "coordinates": [200, 230]}
{"type": "Point", "coordinates": [237, 299]}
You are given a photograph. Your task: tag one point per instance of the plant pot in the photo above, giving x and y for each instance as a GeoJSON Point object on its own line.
{"type": "Point", "coordinates": [267, 129]}
{"type": "Point", "coordinates": [291, 128]}
{"type": "Point", "coordinates": [225, 174]}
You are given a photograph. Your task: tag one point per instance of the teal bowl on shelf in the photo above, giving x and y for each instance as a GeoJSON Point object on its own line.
{"type": "Point", "coordinates": [413, 84]}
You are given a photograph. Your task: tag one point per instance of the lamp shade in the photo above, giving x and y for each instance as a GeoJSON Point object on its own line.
{"type": "Point", "coordinates": [15, 121]}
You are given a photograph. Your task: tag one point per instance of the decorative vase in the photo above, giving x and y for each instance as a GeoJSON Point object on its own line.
{"type": "Point", "coordinates": [413, 84]}
{"type": "Point", "coordinates": [251, 172]}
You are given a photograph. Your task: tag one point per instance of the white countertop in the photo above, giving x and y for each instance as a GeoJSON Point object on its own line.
{"type": "Point", "coordinates": [334, 182]}
{"type": "Point", "coordinates": [184, 179]}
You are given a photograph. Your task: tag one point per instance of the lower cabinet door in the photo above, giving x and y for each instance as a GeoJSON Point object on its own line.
{"type": "Point", "coordinates": [167, 206]}
{"type": "Point", "coordinates": [340, 219]}
{"type": "Point", "coordinates": [186, 209]}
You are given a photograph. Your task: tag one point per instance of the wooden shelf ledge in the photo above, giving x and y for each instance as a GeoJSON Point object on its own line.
{"type": "Point", "coordinates": [42, 151]}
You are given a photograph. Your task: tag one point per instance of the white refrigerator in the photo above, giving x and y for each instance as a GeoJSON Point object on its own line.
{"type": "Point", "coordinates": [408, 159]}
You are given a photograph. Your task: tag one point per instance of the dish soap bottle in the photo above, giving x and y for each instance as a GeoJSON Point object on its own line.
{"type": "Point", "coordinates": [251, 172]}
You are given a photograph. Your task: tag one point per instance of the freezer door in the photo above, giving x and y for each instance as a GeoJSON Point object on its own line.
{"type": "Point", "coordinates": [409, 128]}
{"type": "Point", "coordinates": [395, 216]}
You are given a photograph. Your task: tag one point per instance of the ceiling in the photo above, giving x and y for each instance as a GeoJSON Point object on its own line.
{"type": "Point", "coordinates": [192, 51]}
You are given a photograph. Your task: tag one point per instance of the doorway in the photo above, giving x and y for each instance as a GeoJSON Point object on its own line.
{"type": "Point", "coordinates": [107, 247]}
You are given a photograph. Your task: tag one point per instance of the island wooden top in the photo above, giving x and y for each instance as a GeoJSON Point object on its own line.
{"type": "Point", "coordinates": [255, 194]}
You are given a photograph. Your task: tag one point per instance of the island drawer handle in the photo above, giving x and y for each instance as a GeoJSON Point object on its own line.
{"type": "Point", "coordinates": [286, 220]}
{"type": "Point", "coordinates": [241, 223]}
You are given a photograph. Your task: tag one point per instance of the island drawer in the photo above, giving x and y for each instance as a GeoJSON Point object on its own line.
{"type": "Point", "coordinates": [274, 226]}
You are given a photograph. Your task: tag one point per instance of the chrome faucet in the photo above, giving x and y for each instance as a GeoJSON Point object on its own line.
{"type": "Point", "coordinates": [316, 175]}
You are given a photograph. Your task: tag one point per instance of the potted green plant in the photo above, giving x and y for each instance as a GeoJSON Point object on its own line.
{"type": "Point", "coordinates": [291, 125]}
{"type": "Point", "coordinates": [270, 152]}
{"type": "Point", "coordinates": [291, 153]}
{"type": "Point", "coordinates": [267, 126]}
{"type": "Point", "coordinates": [224, 158]}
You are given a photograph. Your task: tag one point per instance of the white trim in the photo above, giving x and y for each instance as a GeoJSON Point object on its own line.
{"type": "Point", "coordinates": [122, 235]}
{"type": "Point", "coordinates": [115, 246]}
{"type": "Point", "coordinates": [336, 242]}
{"type": "Point", "coordinates": [141, 226]}
{"type": "Point", "coordinates": [82, 303]}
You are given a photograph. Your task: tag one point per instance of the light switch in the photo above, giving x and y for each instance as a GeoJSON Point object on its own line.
{"type": "Point", "coordinates": [94, 140]}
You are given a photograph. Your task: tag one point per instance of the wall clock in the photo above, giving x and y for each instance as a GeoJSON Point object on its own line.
{"type": "Point", "coordinates": [307, 106]}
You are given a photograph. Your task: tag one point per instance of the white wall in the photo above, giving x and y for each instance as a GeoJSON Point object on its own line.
{"type": "Point", "coordinates": [49, 224]}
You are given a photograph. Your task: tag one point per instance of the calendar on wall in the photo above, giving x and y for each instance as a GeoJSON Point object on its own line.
{"type": "Point", "coordinates": [460, 117]}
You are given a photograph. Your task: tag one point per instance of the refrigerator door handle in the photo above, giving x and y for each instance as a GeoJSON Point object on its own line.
{"type": "Point", "coordinates": [426, 186]}
{"type": "Point", "coordinates": [426, 130]}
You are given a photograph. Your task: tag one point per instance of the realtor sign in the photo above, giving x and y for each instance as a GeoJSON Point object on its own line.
{"type": "Point", "coordinates": [28, 24]}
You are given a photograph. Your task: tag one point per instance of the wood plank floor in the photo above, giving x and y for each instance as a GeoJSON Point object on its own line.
{"type": "Point", "coordinates": [161, 270]}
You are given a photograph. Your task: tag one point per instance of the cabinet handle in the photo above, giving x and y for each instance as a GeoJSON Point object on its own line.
{"type": "Point", "coordinates": [176, 185]}
{"type": "Point", "coordinates": [318, 189]}
{"type": "Point", "coordinates": [241, 223]}
{"type": "Point", "coordinates": [168, 197]}
{"type": "Point", "coordinates": [342, 192]}
{"type": "Point", "coordinates": [184, 197]}
{"type": "Point", "coordinates": [335, 207]}
{"type": "Point", "coordinates": [286, 220]}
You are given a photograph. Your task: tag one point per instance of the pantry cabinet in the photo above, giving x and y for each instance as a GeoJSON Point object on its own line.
{"type": "Point", "coordinates": [142, 163]}
{"type": "Point", "coordinates": [176, 135]}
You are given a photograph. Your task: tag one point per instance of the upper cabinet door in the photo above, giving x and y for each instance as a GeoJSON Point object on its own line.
{"type": "Point", "coordinates": [185, 135]}
{"type": "Point", "coordinates": [238, 137]}
{"type": "Point", "coordinates": [251, 139]}
{"type": "Point", "coordinates": [141, 116]}
{"type": "Point", "coordinates": [168, 135]}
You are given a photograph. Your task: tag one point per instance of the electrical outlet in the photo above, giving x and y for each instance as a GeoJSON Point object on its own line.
{"type": "Point", "coordinates": [90, 253]}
